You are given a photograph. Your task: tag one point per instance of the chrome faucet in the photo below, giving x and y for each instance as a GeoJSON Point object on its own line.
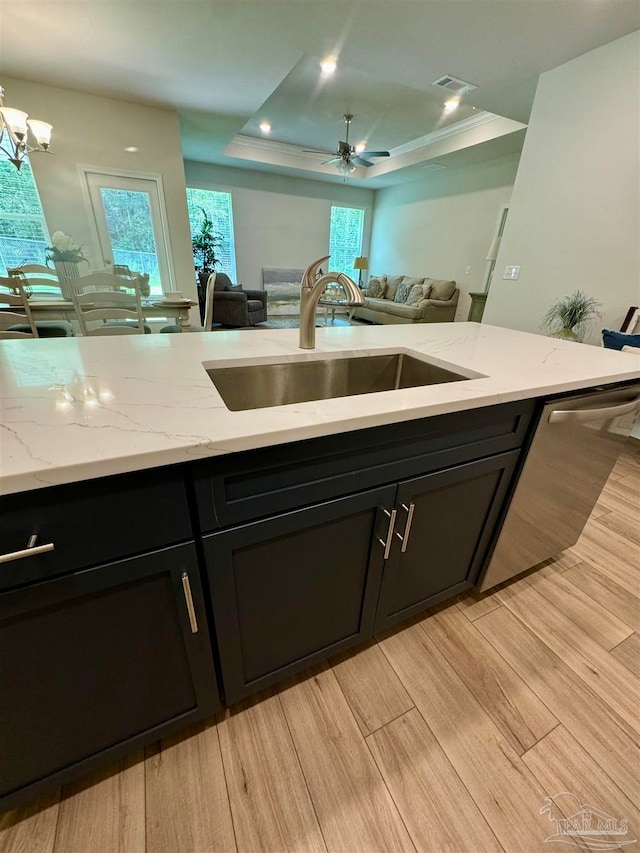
{"type": "Point", "coordinates": [311, 289]}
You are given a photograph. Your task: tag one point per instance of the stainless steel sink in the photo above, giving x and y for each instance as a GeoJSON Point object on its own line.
{"type": "Point", "coordinates": [260, 386]}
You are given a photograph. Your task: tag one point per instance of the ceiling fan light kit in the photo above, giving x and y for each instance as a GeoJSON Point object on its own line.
{"type": "Point", "coordinates": [346, 167]}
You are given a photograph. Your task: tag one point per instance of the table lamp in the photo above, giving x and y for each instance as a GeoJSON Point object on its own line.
{"type": "Point", "coordinates": [360, 264]}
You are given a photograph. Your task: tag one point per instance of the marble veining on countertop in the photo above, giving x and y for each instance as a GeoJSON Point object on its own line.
{"type": "Point", "coordinates": [78, 408]}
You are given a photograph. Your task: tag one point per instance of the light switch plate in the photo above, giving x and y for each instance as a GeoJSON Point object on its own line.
{"type": "Point", "coordinates": [511, 273]}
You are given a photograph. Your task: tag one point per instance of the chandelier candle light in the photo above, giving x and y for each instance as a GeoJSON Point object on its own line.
{"type": "Point", "coordinates": [15, 126]}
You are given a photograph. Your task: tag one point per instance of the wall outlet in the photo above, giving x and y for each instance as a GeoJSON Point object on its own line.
{"type": "Point", "coordinates": [511, 273]}
{"type": "Point", "coordinates": [468, 270]}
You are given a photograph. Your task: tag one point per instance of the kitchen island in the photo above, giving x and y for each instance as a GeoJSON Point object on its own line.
{"type": "Point", "coordinates": [78, 408]}
{"type": "Point", "coordinates": [151, 538]}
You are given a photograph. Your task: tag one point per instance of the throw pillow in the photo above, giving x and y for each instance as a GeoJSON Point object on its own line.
{"type": "Point", "coordinates": [617, 340]}
{"type": "Point", "coordinates": [376, 288]}
{"type": "Point", "coordinates": [403, 291]}
{"type": "Point", "coordinates": [222, 281]}
{"type": "Point", "coordinates": [441, 288]}
{"type": "Point", "coordinates": [413, 281]}
{"type": "Point", "coordinates": [418, 293]}
{"type": "Point", "coordinates": [393, 283]}
{"type": "Point", "coordinates": [392, 289]}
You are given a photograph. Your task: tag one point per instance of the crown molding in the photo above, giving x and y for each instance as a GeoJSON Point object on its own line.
{"type": "Point", "coordinates": [476, 120]}
{"type": "Point", "coordinates": [477, 128]}
{"type": "Point", "coordinates": [270, 145]}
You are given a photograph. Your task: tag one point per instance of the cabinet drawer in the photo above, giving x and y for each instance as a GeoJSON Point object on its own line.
{"type": "Point", "coordinates": [92, 522]}
{"type": "Point", "coordinates": [258, 483]}
{"type": "Point", "coordinates": [98, 662]}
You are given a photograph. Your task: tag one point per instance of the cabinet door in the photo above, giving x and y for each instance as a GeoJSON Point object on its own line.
{"type": "Point", "coordinates": [97, 662]}
{"type": "Point", "coordinates": [293, 589]}
{"type": "Point", "coordinates": [453, 514]}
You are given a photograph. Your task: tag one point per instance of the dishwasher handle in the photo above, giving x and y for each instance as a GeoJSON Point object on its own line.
{"type": "Point", "coordinates": [605, 414]}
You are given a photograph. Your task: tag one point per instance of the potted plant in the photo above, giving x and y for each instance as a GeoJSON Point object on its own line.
{"type": "Point", "coordinates": [66, 256]}
{"type": "Point", "coordinates": [205, 244]}
{"type": "Point", "coordinates": [569, 317]}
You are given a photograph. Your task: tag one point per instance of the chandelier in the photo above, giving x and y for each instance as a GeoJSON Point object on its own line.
{"type": "Point", "coordinates": [15, 127]}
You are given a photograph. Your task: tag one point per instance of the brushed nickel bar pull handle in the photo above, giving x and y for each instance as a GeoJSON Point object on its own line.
{"type": "Point", "coordinates": [407, 528]}
{"type": "Point", "coordinates": [29, 551]}
{"type": "Point", "coordinates": [386, 544]}
{"type": "Point", "coordinates": [606, 414]}
{"type": "Point", "coordinates": [186, 586]}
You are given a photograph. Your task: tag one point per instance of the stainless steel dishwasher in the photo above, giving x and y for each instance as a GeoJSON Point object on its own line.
{"type": "Point", "coordinates": [570, 458]}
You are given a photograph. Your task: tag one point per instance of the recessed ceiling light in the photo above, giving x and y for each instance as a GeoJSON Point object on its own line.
{"type": "Point", "coordinates": [131, 149]}
{"type": "Point", "coordinates": [451, 105]}
{"type": "Point", "coordinates": [265, 127]}
{"type": "Point", "coordinates": [328, 65]}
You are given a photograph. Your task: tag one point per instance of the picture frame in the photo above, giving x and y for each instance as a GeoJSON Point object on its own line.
{"type": "Point", "coordinates": [631, 321]}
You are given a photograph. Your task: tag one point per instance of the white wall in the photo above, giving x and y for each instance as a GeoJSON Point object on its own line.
{"type": "Point", "coordinates": [278, 221]}
{"type": "Point", "coordinates": [439, 226]}
{"type": "Point", "coordinates": [573, 219]}
{"type": "Point", "coordinates": [94, 131]}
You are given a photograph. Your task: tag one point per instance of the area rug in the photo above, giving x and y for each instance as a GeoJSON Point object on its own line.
{"type": "Point", "coordinates": [271, 323]}
{"type": "Point", "coordinates": [289, 323]}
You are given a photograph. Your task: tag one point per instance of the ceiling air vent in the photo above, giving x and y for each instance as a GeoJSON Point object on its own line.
{"type": "Point", "coordinates": [454, 84]}
{"type": "Point", "coordinates": [433, 167]}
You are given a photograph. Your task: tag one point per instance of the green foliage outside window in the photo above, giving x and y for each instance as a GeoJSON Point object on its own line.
{"type": "Point", "coordinates": [23, 233]}
{"type": "Point", "coordinates": [218, 208]}
{"type": "Point", "coordinates": [345, 238]}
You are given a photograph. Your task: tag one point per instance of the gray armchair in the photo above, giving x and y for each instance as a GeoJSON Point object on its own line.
{"type": "Point", "coordinates": [233, 306]}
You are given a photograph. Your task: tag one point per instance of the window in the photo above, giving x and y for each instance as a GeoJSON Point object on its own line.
{"type": "Point", "coordinates": [219, 210]}
{"type": "Point", "coordinates": [345, 238]}
{"type": "Point", "coordinates": [23, 231]}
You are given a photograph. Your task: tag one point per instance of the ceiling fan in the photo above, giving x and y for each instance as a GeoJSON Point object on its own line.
{"type": "Point", "coordinates": [347, 158]}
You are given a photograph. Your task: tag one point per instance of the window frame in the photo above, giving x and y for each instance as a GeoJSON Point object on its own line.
{"type": "Point", "coordinates": [29, 217]}
{"type": "Point", "coordinates": [196, 185]}
{"type": "Point", "coordinates": [365, 212]}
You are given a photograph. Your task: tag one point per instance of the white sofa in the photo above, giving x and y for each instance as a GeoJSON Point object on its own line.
{"type": "Point", "coordinates": [427, 300]}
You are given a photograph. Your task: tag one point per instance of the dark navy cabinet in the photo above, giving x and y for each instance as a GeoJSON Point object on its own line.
{"type": "Point", "coordinates": [293, 589]}
{"type": "Point", "coordinates": [265, 561]}
{"type": "Point", "coordinates": [443, 527]}
{"type": "Point", "coordinates": [99, 660]}
{"type": "Point", "coordinates": [402, 519]}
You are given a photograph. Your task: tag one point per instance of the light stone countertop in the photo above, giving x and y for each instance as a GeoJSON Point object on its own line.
{"type": "Point", "coordinates": [77, 408]}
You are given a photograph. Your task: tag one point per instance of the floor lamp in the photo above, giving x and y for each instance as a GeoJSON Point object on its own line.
{"type": "Point", "coordinates": [360, 264]}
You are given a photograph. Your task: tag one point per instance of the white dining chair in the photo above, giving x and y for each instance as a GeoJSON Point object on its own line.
{"type": "Point", "coordinates": [107, 305]}
{"type": "Point", "coordinates": [40, 282]}
{"type": "Point", "coordinates": [16, 320]}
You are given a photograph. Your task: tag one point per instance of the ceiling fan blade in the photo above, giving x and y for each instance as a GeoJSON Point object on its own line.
{"type": "Point", "coordinates": [361, 161]}
{"type": "Point", "coordinates": [333, 160]}
{"type": "Point", "coordinates": [376, 153]}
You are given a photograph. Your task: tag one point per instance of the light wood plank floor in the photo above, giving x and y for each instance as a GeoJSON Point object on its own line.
{"type": "Point", "coordinates": [446, 734]}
